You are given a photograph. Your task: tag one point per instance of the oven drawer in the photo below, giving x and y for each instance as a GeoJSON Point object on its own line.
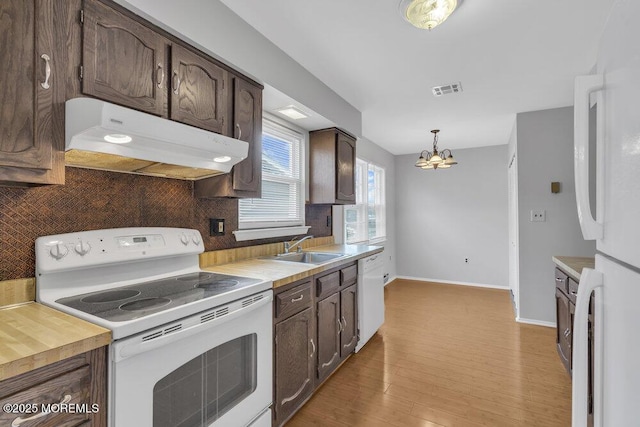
{"type": "Point", "coordinates": [327, 285]}
{"type": "Point", "coordinates": [72, 387]}
{"type": "Point", "coordinates": [292, 301]}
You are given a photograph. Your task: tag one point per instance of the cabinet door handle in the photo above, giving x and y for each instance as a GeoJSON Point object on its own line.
{"type": "Point", "coordinates": [344, 323]}
{"type": "Point", "coordinates": [176, 82]}
{"type": "Point", "coordinates": [47, 70]}
{"type": "Point", "coordinates": [18, 421]}
{"type": "Point", "coordinates": [239, 130]}
{"type": "Point", "coordinates": [160, 76]}
{"type": "Point", "coordinates": [297, 299]}
{"type": "Point", "coordinates": [313, 345]}
{"type": "Point", "coordinates": [339, 326]}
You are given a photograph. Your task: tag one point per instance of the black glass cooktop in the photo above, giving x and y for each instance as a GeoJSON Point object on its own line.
{"type": "Point", "coordinates": [139, 300]}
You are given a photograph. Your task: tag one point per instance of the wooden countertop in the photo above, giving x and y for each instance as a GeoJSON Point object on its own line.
{"type": "Point", "coordinates": [33, 335]}
{"type": "Point", "coordinates": [573, 265]}
{"type": "Point", "coordinates": [282, 273]}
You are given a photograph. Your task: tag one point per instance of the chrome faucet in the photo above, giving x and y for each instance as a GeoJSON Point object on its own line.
{"type": "Point", "coordinates": [290, 244]}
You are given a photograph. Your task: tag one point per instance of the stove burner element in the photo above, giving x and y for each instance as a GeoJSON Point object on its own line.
{"type": "Point", "coordinates": [217, 285]}
{"type": "Point", "coordinates": [145, 304]}
{"type": "Point", "coordinates": [194, 276]}
{"type": "Point", "coordinates": [110, 296]}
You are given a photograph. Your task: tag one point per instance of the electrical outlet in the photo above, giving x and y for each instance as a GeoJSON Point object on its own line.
{"type": "Point", "coordinates": [216, 227]}
{"type": "Point", "coordinates": [538, 215]}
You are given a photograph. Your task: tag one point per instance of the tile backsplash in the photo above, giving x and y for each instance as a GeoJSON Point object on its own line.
{"type": "Point", "coordinates": [98, 199]}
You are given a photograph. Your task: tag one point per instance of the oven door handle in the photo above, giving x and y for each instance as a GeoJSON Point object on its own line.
{"type": "Point", "coordinates": [136, 346]}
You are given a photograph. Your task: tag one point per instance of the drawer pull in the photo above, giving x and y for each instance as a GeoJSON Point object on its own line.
{"type": "Point", "coordinates": [574, 293]}
{"type": "Point", "coordinates": [297, 299]}
{"type": "Point", "coordinates": [18, 421]}
{"type": "Point", "coordinates": [559, 279]}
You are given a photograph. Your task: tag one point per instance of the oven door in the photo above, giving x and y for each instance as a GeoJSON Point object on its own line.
{"type": "Point", "coordinates": [213, 368]}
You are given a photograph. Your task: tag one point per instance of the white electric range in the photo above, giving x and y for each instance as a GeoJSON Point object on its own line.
{"type": "Point", "coordinates": [190, 347]}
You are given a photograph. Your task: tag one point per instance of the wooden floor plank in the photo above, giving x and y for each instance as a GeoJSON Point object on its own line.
{"type": "Point", "coordinates": [447, 356]}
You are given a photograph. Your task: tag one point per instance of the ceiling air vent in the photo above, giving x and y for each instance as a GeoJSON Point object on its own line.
{"type": "Point", "coordinates": [447, 89]}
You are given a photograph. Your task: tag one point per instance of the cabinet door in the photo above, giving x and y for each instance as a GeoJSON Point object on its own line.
{"type": "Point", "coordinates": [348, 318]}
{"type": "Point", "coordinates": [31, 83]}
{"type": "Point", "coordinates": [563, 330]}
{"type": "Point", "coordinates": [247, 116]}
{"type": "Point", "coordinates": [123, 61]}
{"type": "Point", "coordinates": [345, 169]}
{"type": "Point", "coordinates": [294, 362]}
{"type": "Point", "coordinates": [198, 91]}
{"type": "Point", "coordinates": [328, 335]}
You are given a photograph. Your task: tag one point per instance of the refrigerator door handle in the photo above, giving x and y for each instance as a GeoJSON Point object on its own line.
{"type": "Point", "coordinates": [590, 280]}
{"type": "Point", "coordinates": [584, 85]}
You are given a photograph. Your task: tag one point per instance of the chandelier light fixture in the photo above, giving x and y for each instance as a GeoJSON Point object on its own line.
{"type": "Point", "coordinates": [427, 14]}
{"type": "Point", "coordinates": [436, 159]}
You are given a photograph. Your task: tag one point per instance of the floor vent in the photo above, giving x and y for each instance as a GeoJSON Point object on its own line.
{"type": "Point", "coordinates": [447, 89]}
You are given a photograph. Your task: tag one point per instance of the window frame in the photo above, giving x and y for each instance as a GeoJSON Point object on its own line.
{"type": "Point", "coordinates": [362, 204]}
{"type": "Point", "coordinates": [248, 230]}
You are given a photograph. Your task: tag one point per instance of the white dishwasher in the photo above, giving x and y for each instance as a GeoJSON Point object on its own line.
{"type": "Point", "coordinates": [370, 297]}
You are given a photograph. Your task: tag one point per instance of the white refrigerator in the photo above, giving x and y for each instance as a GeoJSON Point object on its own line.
{"type": "Point", "coordinates": [615, 87]}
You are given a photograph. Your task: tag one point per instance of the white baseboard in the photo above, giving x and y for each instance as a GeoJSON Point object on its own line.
{"type": "Point", "coordinates": [391, 280]}
{"type": "Point", "coordinates": [451, 282]}
{"type": "Point", "coordinates": [536, 322]}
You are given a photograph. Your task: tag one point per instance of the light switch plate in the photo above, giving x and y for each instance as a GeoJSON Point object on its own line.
{"type": "Point", "coordinates": [538, 215]}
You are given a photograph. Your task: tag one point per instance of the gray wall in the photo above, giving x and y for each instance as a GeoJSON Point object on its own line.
{"type": "Point", "coordinates": [215, 29]}
{"type": "Point", "coordinates": [443, 217]}
{"type": "Point", "coordinates": [545, 154]}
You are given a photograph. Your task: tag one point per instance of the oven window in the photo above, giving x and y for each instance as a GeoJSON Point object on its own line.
{"type": "Point", "coordinates": [205, 388]}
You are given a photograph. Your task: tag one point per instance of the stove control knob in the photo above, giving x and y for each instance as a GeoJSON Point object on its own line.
{"type": "Point", "coordinates": [82, 248]}
{"type": "Point", "coordinates": [58, 251]}
{"type": "Point", "coordinates": [196, 239]}
{"type": "Point", "coordinates": [184, 239]}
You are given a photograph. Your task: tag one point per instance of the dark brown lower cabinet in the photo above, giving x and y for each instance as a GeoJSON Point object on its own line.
{"type": "Point", "coordinates": [564, 328]}
{"type": "Point", "coordinates": [348, 311]}
{"type": "Point", "coordinates": [77, 380]}
{"type": "Point", "coordinates": [566, 293]}
{"type": "Point", "coordinates": [329, 342]}
{"type": "Point", "coordinates": [294, 362]}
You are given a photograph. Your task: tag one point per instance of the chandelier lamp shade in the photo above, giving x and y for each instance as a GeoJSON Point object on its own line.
{"type": "Point", "coordinates": [436, 159]}
{"type": "Point", "coordinates": [427, 14]}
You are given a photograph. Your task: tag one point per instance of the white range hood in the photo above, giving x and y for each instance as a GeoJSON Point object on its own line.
{"type": "Point", "coordinates": [100, 135]}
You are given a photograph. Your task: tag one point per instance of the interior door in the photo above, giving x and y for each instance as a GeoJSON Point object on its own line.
{"type": "Point", "coordinates": [513, 232]}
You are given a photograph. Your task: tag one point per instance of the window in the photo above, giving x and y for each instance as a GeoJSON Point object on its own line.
{"type": "Point", "coordinates": [282, 203]}
{"type": "Point", "coordinates": [365, 221]}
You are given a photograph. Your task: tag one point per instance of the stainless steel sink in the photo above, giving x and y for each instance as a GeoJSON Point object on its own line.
{"type": "Point", "coordinates": [306, 257]}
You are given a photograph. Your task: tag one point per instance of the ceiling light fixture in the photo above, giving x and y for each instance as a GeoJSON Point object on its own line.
{"type": "Point", "coordinates": [292, 112]}
{"type": "Point", "coordinates": [436, 160]}
{"type": "Point", "coordinates": [427, 14]}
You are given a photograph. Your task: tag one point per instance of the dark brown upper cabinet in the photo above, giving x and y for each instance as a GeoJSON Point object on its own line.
{"type": "Point", "coordinates": [124, 62]}
{"type": "Point", "coordinates": [332, 161]}
{"type": "Point", "coordinates": [198, 91]}
{"type": "Point", "coordinates": [32, 95]}
{"type": "Point", "coordinates": [245, 179]}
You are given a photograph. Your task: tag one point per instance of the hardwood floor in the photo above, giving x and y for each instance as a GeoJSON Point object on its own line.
{"type": "Point", "coordinates": [447, 356]}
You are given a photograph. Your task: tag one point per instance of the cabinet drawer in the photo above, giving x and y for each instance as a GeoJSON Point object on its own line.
{"type": "Point", "coordinates": [562, 280]}
{"type": "Point", "coordinates": [293, 300]}
{"type": "Point", "coordinates": [349, 275]}
{"type": "Point", "coordinates": [71, 387]}
{"type": "Point", "coordinates": [326, 285]}
{"type": "Point", "coordinates": [573, 290]}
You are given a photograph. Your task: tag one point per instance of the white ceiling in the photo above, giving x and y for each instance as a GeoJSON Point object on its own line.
{"type": "Point", "coordinates": [510, 55]}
